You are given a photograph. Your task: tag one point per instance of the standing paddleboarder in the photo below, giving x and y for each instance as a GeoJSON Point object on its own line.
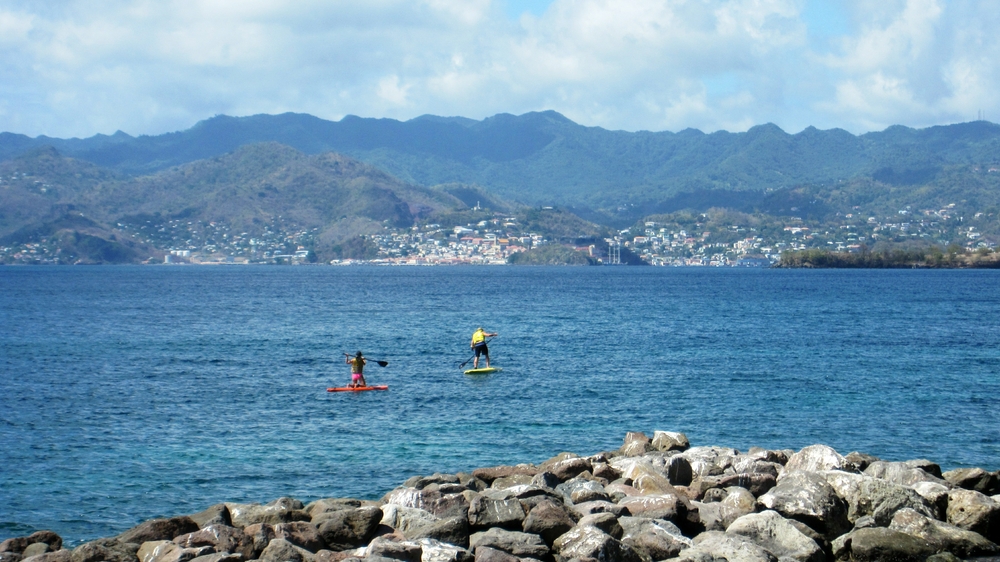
{"type": "Point", "coordinates": [478, 345]}
{"type": "Point", "coordinates": [357, 370]}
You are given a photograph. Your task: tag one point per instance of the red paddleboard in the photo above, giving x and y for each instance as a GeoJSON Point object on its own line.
{"type": "Point", "coordinates": [357, 388]}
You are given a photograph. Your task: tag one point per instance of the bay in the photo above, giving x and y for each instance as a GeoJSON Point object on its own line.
{"type": "Point", "coordinates": [135, 392]}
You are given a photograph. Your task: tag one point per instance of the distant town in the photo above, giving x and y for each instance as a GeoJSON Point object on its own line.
{"type": "Point", "coordinates": [708, 242]}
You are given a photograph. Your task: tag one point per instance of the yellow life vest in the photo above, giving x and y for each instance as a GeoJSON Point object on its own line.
{"type": "Point", "coordinates": [478, 337]}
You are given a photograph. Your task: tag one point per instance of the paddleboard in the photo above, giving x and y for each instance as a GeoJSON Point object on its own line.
{"type": "Point", "coordinates": [483, 371]}
{"type": "Point", "coordinates": [358, 388]}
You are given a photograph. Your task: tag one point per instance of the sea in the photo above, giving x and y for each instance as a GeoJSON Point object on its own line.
{"type": "Point", "coordinates": [134, 392]}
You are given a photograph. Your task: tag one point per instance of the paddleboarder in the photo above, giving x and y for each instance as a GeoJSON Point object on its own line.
{"type": "Point", "coordinates": [478, 345]}
{"type": "Point", "coordinates": [357, 370]}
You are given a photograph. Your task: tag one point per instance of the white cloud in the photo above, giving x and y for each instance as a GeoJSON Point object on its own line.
{"type": "Point", "coordinates": [147, 66]}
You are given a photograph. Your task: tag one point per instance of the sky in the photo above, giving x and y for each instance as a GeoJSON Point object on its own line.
{"type": "Point", "coordinates": [75, 68]}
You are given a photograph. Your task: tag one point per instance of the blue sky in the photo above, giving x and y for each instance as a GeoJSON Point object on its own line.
{"type": "Point", "coordinates": [78, 68]}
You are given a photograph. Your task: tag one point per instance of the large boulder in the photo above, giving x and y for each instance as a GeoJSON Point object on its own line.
{"type": "Point", "coordinates": [404, 551]}
{"type": "Point", "coordinates": [257, 537]}
{"type": "Point", "coordinates": [878, 498]}
{"type": "Point", "coordinates": [902, 473]}
{"type": "Point", "coordinates": [436, 551]}
{"type": "Point", "coordinates": [570, 468]}
{"type": "Point", "coordinates": [302, 534]}
{"type": "Point", "coordinates": [168, 551]}
{"type": "Point", "coordinates": [974, 479]}
{"type": "Point", "coordinates": [280, 550]}
{"type": "Point", "coordinates": [935, 494]}
{"type": "Point", "coordinates": [605, 522]}
{"type": "Point", "coordinates": [709, 461]}
{"type": "Point", "coordinates": [522, 545]}
{"type": "Point", "coordinates": [587, 541]}
{"type": "Point", "coordinates": [350, 528]}
{"type": "Point", "coordinates": [106, 550]}
{"type": "Point", "coordinates": [580, 490]}
{"type": "Point", "coordinates": [222, 538]}
{"type": "Point", "coordinates": [778, 536]}
{"type": "Point", "coordinates": [451, 530]}
{"type": "Point", "coordinates": [815, 458]}
{"type": "Point", "coordinates": [653, 539]}
{"type": "Point", "coordinates": [488, 475]}
{"type": "Point", "coordinates": [18, 545]}
{"type": "Point", "coordinates": [318, 509]}
{"type": "Point", "coordinates": [942, 536]}
{"type": "Point", "coordinates": [636, 444]}
{"type": "Point", "coordinates": [281, 510]}
{"type": "Point", "coordinates": [63, 555]}
{"type": "Point", "coordinates": [406, 519]}
{"type": "Point", "coordinates": [714, 546]}
{"type": "Point", "coordinates": [548, 520]}
{"type": "Point", "coordinates": [670, 441]}
{"type": "Point", "coordinates": [485, 512]}
{"type": "Point", "coordinates": [809, 498]}
{"type": "Point", "coordinates": [159, 530]}
{"type": "Point", "coordinates": [973, 511]}
{"type": "Point", "coordinates": [878, 544]}
{"type": "Point", "coordinates": [217, 514]}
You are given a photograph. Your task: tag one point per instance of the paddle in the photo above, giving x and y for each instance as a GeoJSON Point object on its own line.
{"type": "Point", "coordinates": [380, 363]}
{"type": "Point", "coordinates": [466, 362]}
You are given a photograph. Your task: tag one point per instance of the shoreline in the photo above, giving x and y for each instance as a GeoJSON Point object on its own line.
{"type": "Point", "coordinates": [655, 498]}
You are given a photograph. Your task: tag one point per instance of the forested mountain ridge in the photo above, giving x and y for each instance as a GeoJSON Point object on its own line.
{"type": "Point", "coordinates": [544, 158]}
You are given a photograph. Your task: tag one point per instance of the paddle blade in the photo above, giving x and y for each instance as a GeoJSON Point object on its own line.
{"type": "Point", "coordinates": [383, 363]}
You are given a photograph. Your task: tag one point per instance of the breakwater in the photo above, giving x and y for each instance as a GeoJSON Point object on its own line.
{"type": "Point", "coordinates": [655, 498]}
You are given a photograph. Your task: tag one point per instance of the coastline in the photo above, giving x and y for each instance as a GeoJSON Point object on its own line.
{"type": "Point", "coordinates": [652, 499]}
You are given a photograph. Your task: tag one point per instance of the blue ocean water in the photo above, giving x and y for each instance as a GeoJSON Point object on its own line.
{"type": "Point", "coordinates": [128, 393]}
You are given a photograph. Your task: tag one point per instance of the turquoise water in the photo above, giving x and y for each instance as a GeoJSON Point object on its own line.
{"type": "Point", "coordinates": [135, 392]}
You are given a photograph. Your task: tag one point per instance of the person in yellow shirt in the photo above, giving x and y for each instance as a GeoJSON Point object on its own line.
{"type": "Point", "coordinates": [478, 345]}
{"type": "Point", "coordinates": [357, 364]}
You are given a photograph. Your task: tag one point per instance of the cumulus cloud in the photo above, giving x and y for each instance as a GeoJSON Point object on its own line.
{"type": "Point", "coordinates": [147, 67]}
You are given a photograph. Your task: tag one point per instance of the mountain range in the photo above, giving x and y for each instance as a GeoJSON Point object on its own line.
{"type": "Point", "coordinates": [544, 158]}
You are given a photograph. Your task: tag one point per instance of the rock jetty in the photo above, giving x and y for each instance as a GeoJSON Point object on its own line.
{"type": "Point", "coordinates": [653, 499]}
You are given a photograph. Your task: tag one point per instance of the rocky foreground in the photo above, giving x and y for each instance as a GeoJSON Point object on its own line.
{"type": "Point", "coordinates": [653, 499]}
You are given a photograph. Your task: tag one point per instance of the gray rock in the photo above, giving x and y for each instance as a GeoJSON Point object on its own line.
{"type": "Point", "coordinates": [63, 555]}
{"type": "Point", "coordinates": [881, 499]}
{"type": "Point", "coordinates": [257, 537]}
{"type": "Point", "coordinates": [778, 536]}
{"type": "Point", "coordinates": [815, 458]}
{"type": "Point", "coordinates": [222, 538]}
{"type": "Point", "coordinates": [779, 457]}
{"type": "Point", "coordinates": [159, 530]}
{"type": "Point", "coordinates": [513, 480]}
{"type": "Point", "coordinates": [548, 520]}
{"type": "Point", "coordinates": [974, 479]}
{"type": "Point", "coordinates": [653, 539]}
{"type": "Point", "coordinates": [19, 545]}
{"type": "Point", "coordinates": [485, 512]}
{"type": "Point", "coordinates": [605, 522]}
{"type": "Point", "coordinates": [168, 551]}
{"type": "Point", "coordinates": [584, 509]}
{"type": "Point", "coordinates": [973, 511]}
{"type": "Point", "coordinates": [943, 557]}
{"type": "Point", "coordinates": [217, 514]}
{"type": "Point", "coordinates": [942, 536]}
{"type": "Point", "coordinates": [219, 557]}
{"type": "Point", "coordinates": [421, 482]}
{"type": "Point", "coordinates": [606, 471]}
{"type": "Point", "coordinates": [407, 519]}
{"type": "Point", "coordinates": [282, 510]}
{"type": "Point", "coordinates": [522, 545]}
{"type": "Point", "coordinates": [487, 554]}
{"type": "Point", "coordinates": [678, 470]}
{"type": "Point", "coordinates": [807, 497]}
{"type": "Point", "coordinates": [350, 528]}
{"type": "Point", "coordinates": [302, 534]}
{"type": "Point", "coordinates": [579, 490]}
{"type": "Point", "coordinates": [545, 479]}
{"type": "Point", "coordinates": [488, 475]}
{"type": "Point", "coordinates": [878, 544]}
{"type": "Point", "coordinates": [635, 444]}
{"type": "Point", "coordinates": [927, 466]}
{"type": "Point", "coordinates": [716, 516]}
{"type": "Point", "coordinates": [935, 494]}
{"type": "Point", "coordinates": [318, 508]}
{"type": "Point", "coordinates": [670, 441]}
{"type": "Point", "coordinates": [280, 550]}
{"type": "Point", "coordinates": [669, 507]}
{"type": "Point", "coordinates": [570, 468]}
{"type": "Point", "coordinates": [405, 551]}
{"type": "Point", "coordinates": [714, 546]}
{"type": "Point", "coordinates": [105, 550]}
{"type": "Point", "coordinates": [899, 473]}
{"type": "Point", "coordinates": [36, 549]}
{"type": "Point", "coordinates": [709, 461]}
{"type": "Point", "coordinates": [590, 542]}
{"type": "Point", "coordinates": [436, 551]}
{"type": "Point", "coordinates": [451, 530]}
{"type": "Point", "coordinates": [860, 461]}
{"type": "Point", "coordinates": [451, 505]}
